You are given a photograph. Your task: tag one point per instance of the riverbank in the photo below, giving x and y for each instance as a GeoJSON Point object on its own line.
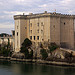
{"type": "Point", "coordinates": [37, 61]}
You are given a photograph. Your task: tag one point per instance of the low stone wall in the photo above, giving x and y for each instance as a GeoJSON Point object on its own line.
{"type": "Point", "coordinates": [38, 61]}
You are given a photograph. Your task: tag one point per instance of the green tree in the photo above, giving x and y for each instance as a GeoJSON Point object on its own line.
{"type": "Point", "coordinates": [8, 45]}
{"type": "Point", "coordinates": [4, 51]}
{"type": "Point", "coordinates": [24, 48]}
{"type": "Point", "coordinates": [27, 43]}
{"type": "Point", "coordinates": [26, 53]}
{"type": "Point", "coordinates": [43, 53]}
{"type": "Point", "coordinates": [31, 54]}
{"type": "Point", "coordinates": [52, 47]}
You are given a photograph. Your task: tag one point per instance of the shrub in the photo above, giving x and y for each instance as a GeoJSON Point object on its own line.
{"type": "Point", "coordinates": [26, 43]}
{"type": "Point", "coordinates": [52, 47]}
{"type": "Point", "coordinates": [41, 46]}
{"type": "Point", "coordinates": [4, 52]}
{"type": "Point", "coordinates": [24, 49]}
{"type": "Point", "coordinates": [26, 52]}
{"type": "Point", "coordinates": [31, 54]}
{"type": "Point", "coordinates": [43, 53]}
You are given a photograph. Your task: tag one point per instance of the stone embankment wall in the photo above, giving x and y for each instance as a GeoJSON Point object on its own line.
{"type": "Point", "coordinates": [37, 61]}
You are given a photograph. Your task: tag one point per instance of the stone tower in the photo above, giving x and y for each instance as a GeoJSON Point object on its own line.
{"type": "Point", "coordinates": [20, 31]}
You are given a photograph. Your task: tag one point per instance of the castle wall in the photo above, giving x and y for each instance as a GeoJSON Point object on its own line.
{"type": "Point", "coordinates": [46, 27]}
{"type": "Point", "coordinates": [39, 27]}
{"type": "Point", "coordinates": [23, 30]}
{"type": "Point", "coordinates": [67, 32]}
{"type": "Point", "coordinates": [20, 33]}
{"type": "Point", "coordinates": [17, 35]}
{"type": "Point", "coordinates": [55, 30]}
{"type": "Point", "coordinates": [74, 33]}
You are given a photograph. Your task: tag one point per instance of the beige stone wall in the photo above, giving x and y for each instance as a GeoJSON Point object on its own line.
{"type": "Point", "coordinates": [16, 37]}
{"type": "Point", "coordinates": [40, 27]}
{"type": "Point", "coordinates": [55, 29]}
{"type": "Point", "coordinates": [67, 32]}
{"type": "Point", "coordinates": [47, 29]}
{"type": "Point", "coordinates": [23, 30]}
{"type": "Point", "coordinates": [74, 33]}
{"type": "Point", "coordinates": [20, 33]}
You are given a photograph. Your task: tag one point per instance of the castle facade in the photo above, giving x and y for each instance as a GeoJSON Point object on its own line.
{"type": "Point", "coordinates": [45, 27]}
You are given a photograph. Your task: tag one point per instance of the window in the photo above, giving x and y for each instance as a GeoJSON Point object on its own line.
{"type": "Point", "coordinates": [64, 23]}
{"type": "Point", "coordinates": [25, 27]}
{"type": "Point", "coordinates": [37, 37]}
{"type": "Point", "coordinates": [31, 31]}
{"type": "Point", "coordinates": [42, 39]}
{"type": "Point", "coordinates": [48, 40]}
{"type": "Point", "coordinates": [54, 26]}
{"type": "Point", "coordinates": [30, 37]}
{"type": "Point", "coordinates": [41, 23]}
{"type": "Point", "coordinates": [41, 31]}
{"type": "Point", "coordinates": [38, 30]}
{"type": "Point", "coordinates": [34, 37]}
{"type": "Point", "coordinates": [37, 24]}
{"type": "Point", "coordinates": [17, 33]}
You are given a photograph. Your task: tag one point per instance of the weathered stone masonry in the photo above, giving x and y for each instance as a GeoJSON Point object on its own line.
{"type": "Point", "coordinates": [45, 27]}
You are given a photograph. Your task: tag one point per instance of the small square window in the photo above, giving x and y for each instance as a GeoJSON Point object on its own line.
{"type": "Point", "coordinates": [41, 31]}
{"type": "Point", "coordinates": [41, 23]}
{"type": "Point", "coordinates": [38, 30]}
{"type": "Point", "coordinates": [48, 40]}
{"type": "Point", "coordinates": [37, 37]}
{"type": "Point", "coordinates": [25, 27]}
{"type": "Point", "coordinates": [37, 24]}
{"type": "Point", "coordinates": [54, 26]}
{"type": "Point", "coordinates": [17, 33]}
{"type": "Point", "coordinates": [42, 39]}
{"type": "Point", "coordinates": [30, 31]}
{"type": "Point", "coordinates": [34, 37]}
{"type": "Point", "coordinates": [64, 23]}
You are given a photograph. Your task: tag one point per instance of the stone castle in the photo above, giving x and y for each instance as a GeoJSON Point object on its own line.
{"type": "Point", "coordinates": [45, 27]}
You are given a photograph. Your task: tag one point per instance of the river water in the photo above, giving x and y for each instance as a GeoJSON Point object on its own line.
{"type": "Point", "coordinates": [14, 68]}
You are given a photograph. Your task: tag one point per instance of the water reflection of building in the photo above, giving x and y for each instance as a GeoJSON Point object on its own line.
{"type": "Point", "coordinates": [45, 27]}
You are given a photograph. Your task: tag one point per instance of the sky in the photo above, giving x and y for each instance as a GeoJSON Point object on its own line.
{"type": "Point", "coordinates": [9, 8]}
